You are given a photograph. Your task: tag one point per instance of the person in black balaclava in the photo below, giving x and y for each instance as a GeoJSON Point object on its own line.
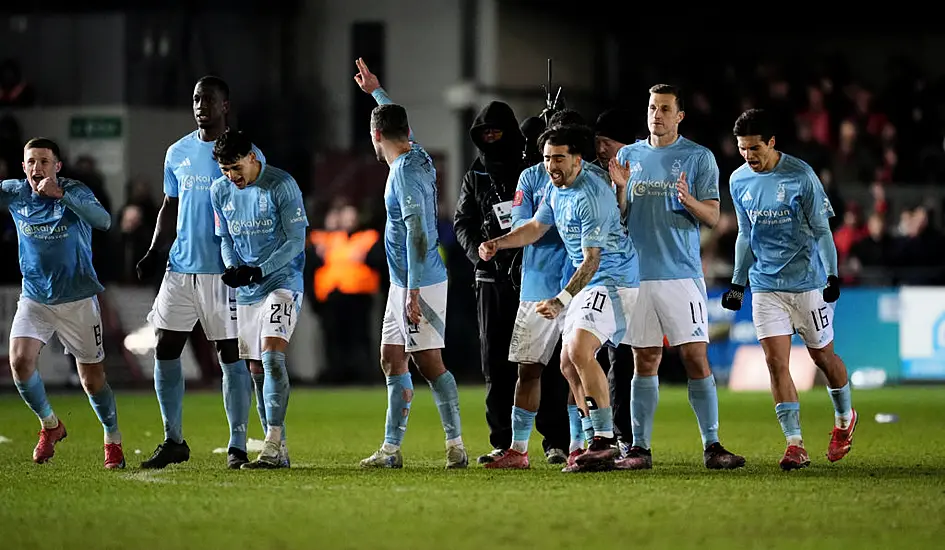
{"type": "Point", "coordinates": [483, 212]}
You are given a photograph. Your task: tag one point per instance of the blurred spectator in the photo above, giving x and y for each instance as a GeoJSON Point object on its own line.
{"type": "Point", "coordinates": [136, 222]}
{"type": "Point", "coordinates": [919, 249]}
{"type": "Point", "coordinates": [870, 256]}
{"type": "Point", "coordinates": [15, 91]}
{"type": "Point", "coordinates": [815, 115]}
{"type": "Point", "coordinates": [809, 149]}
{"type": "Point", "coordinates": [850, 233]}
{"type": "Point", "coordinates": [852, 162]}
{"type": "Point", "coordinates": [344, 285]}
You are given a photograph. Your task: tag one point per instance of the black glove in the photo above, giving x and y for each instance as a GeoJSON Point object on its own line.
{"type": "Point", "coordinates": [832, 292]}
{"type": "Point", "coordinates": [247, 275]}
{"type": "Point", "coordinates": [229, 277]}
{"type": "Point", "coordinates": [732, 299]}
{"type": "Point", "coordinates": [148, 265]}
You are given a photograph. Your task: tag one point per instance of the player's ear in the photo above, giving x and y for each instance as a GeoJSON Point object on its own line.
{"type": "Point", "coordinates": [226, 107]}
{"type": "Point", "coordinates": [680, 116]}
{"type": "Point", "coordinates": [771, 142]}
{"type": "Point", "coordinates": [58, 166]}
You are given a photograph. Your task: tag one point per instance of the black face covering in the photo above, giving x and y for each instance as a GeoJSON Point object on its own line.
{"type": "Point", "coordinates": [505, 154]}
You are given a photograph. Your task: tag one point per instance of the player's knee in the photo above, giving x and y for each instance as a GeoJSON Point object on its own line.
{"type": "Point", "coordinates": [393, 367]}
{"type": "Point", "coordinates": [92, 377]}
{"type": "Point", "coordinates": [824, 358]}
{"type": "Point", "coordinates": [529, 372]}
{"type": "Point", "coordinates": [581, 355]}
{"type": "Point", "coordinates": [778, 366]}
{"type": "Point", "coordinates": [22, 364]}
{"type": "Point", "coordinates": [170, 344]}
{"type": "Point", "coordinates": [695, 360]}
{"type": "Point", "coordinates": [228, 350]}
{"type": "Point", "coordinates": [646, 361]}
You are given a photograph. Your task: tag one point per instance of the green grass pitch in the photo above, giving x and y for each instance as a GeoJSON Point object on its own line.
{"type": "Point", "coordinates": [888, 493]}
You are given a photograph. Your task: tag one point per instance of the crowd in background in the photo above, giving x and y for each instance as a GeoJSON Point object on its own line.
{"type": "Point", "coordinates": [867, 142]}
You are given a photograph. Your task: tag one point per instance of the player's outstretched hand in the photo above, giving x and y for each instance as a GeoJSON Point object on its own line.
{"type": "Point", "coordinates": [247, 275]}
{"type": "Point", "coordinates": [366, 80]}
{"type": "Point", "coordinates": [832, 291]}
{"type": "Point", "coordinates": [229, 277]}
{"type": "Point", "coordinates": [619, 173]}
{"type": "Point", "coordinates": [49, 187]}
{"type": "Point", "coordinates": [487, 250]}
{"type": "Point", "coordinates": [732, 299]}
{"type": "Point", "coordinates": [148, 265]}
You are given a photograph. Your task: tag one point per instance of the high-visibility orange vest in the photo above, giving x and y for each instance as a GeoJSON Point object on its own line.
{"type": "Point", "coordinates": [344, 269]}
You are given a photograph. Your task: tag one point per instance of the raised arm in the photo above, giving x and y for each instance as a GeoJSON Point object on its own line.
{"type": "Point", "coordinates": [369, 83]}
{"type": "Point", "coordinates": [80, 199]}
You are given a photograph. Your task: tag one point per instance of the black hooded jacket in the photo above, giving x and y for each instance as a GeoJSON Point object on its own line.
{"type": "Point", "coordinates": [491, 179]}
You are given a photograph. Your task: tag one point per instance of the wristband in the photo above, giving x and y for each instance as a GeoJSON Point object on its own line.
{"type": "Point", "coordinates": [564, 297]}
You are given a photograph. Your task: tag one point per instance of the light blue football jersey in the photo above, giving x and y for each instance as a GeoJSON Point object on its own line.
{"type": "Point", "coordinates": [55, 240]}
{"type": "Point", "coordinates": [782, 213]}
{"type": "Point", "coordinates": [266, 223]}
{"type": "Point", "coordinates": [665, 234]}
{"type": "Point", "coordinates": [189, 171]}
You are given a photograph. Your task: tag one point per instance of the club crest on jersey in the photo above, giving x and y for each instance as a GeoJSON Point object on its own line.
{"type": "Point", "coordinates": [677, 169]}
{"type": "Point", "coordinates": [263, 204]}
{"type": "Point", "coordinates": [518, 198]}
{"type": "Point", "coordinates": [781, 193]}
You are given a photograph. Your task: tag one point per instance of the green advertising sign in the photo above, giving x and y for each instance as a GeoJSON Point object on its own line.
{"type": "Point", "coordinates": [95, 127]}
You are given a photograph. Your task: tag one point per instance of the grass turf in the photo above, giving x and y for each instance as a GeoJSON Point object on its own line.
{"type": "Point", "coordinates": [889, 492]}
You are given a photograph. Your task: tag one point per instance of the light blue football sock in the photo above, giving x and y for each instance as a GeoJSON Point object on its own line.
{"type": "Point", "coordinates": [603, 421]}
{"type": "Point", "coordinates": [789, 416]}
{"type": "Point", "coordinates": [169, 386]}
{"type": "Point", "coordinates": [103, 403]}
{"type": "Point", "coordinates": [237, 399]}
{"type": "Point", "coordinates": [522, 423]}
{"type": "Point", "coordinates": [587, 426]}
{"type": "Point", "coordinates": [275, 389]}
{"type": "Point", "coordinates": [577, 431]}
{"type": "Point", "coordinates": [644, 396]}
{"type": "Point", "coordinates": [33, 392]}
{"type": "Point", "coordinates": [842, 403]}
{"type": "Point", "coordinates": [399, 397]}
{"type": "Point", "coordinates": [446, 397]}
{"type": "Point", "coordinates": [704, 399]}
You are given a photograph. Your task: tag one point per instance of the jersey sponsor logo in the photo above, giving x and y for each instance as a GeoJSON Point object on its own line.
{"type": "Point", "coordinates": [653, 188]}
{"type": "Point", "coordinates": [770, 216]}
{"type": "Point", "coordinates": [518, 198]}
{"type": "Point", "coordinates": [190, 182]}
{"type": "Point", "coordinates": [250, 227]}
{"type": "Point", "coordinates": [44, 231]}
{"type": "Point", "coordinates": [299, 216]}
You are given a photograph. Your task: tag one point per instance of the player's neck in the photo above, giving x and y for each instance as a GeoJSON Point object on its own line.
{"type": "Point", "coordinates": [393, 149]}
{"type": "Point", "coordinates": [211, 134]}
{"type": "Point", "coordinates": [258, 170]}
{"type": "Point", "coordinates": [773, 161]}
{"type": "Point", "coordinates": [663, 140]}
